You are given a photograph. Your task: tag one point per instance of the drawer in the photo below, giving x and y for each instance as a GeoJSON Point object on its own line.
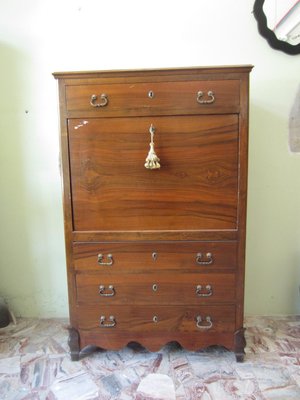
{"type": "Point", "coordinates": [155, 288]}
{"type": "Point", "coordinates": [148, 98]}
{"type": "Point", "coordinates": [150, 257]}
{"type": "Point", "coordinates": [195, 189]}
{"type": "Point", "coordinates": [148, 319]}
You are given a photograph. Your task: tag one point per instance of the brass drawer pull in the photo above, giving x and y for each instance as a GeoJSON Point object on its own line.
{"type": "Point", "coordinates": [204, 260]}
{"type": "Point", "coordinates": [150, 94]}
{"type": "Point", "coordinates": [104, 100]}
{"type": "Point", "coordinates": [210, 94]}
{"type": "Point", "coordinates": [112, 322]}
{"type": "Point", "coordinates": [155, 319]}
{"type": "Point", "coordinates": [204, 324]}
{"type": "Point", "coordinates": [107, 293]}
{"type": "Point", "coordinates": [105, 263]}
{"type": "Point", "coordinates": [204, 292]}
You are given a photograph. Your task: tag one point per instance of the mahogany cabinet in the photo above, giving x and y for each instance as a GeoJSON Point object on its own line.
{"type": "Point", "coordinates": [154, 169]}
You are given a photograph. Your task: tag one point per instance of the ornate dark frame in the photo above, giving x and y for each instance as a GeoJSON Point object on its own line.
{"type": "Point", "coordinates": [269, 34]}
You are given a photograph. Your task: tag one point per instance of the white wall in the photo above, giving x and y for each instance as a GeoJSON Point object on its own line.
{"type": "Point", "coordinates": [38, 37]}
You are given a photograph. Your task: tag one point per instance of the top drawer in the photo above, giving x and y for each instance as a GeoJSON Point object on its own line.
{"type": "Point", "coordinates": [153, 98]}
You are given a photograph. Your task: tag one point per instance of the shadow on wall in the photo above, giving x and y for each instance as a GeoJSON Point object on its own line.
{"type": "Point", "coordinates": [16, 259]}
{"type": "Point", "coordinates": [272, 266]}
{"type": "Point", "coordinates": [25, 246]}
{"type": "Point", "coordinates": [294, 125]}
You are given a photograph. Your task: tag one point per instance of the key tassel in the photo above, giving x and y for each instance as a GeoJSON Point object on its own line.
{"type": "Point", "coordinates": [152, 161]}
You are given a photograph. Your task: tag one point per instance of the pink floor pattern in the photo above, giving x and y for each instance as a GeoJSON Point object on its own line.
{"type": "Point", "coordinates": [35, 365]}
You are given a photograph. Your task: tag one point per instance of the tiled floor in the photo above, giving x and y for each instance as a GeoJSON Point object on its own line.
{"type": "Point", "coordinates": [35, 365]}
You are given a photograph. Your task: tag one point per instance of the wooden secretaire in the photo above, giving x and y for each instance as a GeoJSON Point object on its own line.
{"type": "Point", "coordinates": [155, 182]}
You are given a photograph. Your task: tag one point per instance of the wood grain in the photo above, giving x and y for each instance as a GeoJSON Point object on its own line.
{"type": "Point", "coordinates": [197, 182]}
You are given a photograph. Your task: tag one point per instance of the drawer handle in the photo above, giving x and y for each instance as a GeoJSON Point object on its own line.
{"type": "Point", "coordinates": [105, 263]}
{"type": "Point", "coordinates": [204, 292]}
{"type": "Point", "coordinates": [104, 100]}
{"type": "Point", "coordinates": [107, 293]}
{"type": "Point", "coordinates": [204, 324]}
{"type": "Point", "coordinates": [152, 161]}
{"type": "Point", "coordinates": [110, 324]}
{"type": "Point", "coordinates": [204, 260]}
{"type": "Point", "coordinates": [210, 94]}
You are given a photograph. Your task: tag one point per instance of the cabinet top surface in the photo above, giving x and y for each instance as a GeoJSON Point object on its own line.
{"type": "Point", "coordinates": [152, 72]}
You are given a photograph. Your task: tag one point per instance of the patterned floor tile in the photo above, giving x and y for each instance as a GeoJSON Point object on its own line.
{"type": "Point", "coordinates": [35, 365]}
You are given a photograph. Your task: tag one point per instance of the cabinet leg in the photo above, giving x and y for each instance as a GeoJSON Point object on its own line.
{"type": "Point", "coordinates": [74, 344]}
{"type": "Point", "coordinates": [239, 344]}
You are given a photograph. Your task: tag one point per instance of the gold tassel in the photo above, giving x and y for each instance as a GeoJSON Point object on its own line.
{"type": "Point", "coordinates": [152, 161]}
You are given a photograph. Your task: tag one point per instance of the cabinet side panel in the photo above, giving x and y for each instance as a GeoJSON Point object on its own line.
{"type": "Point", "coordinates": [243, 171]}
{"type": "Point", "coordinates": [67, 203]}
